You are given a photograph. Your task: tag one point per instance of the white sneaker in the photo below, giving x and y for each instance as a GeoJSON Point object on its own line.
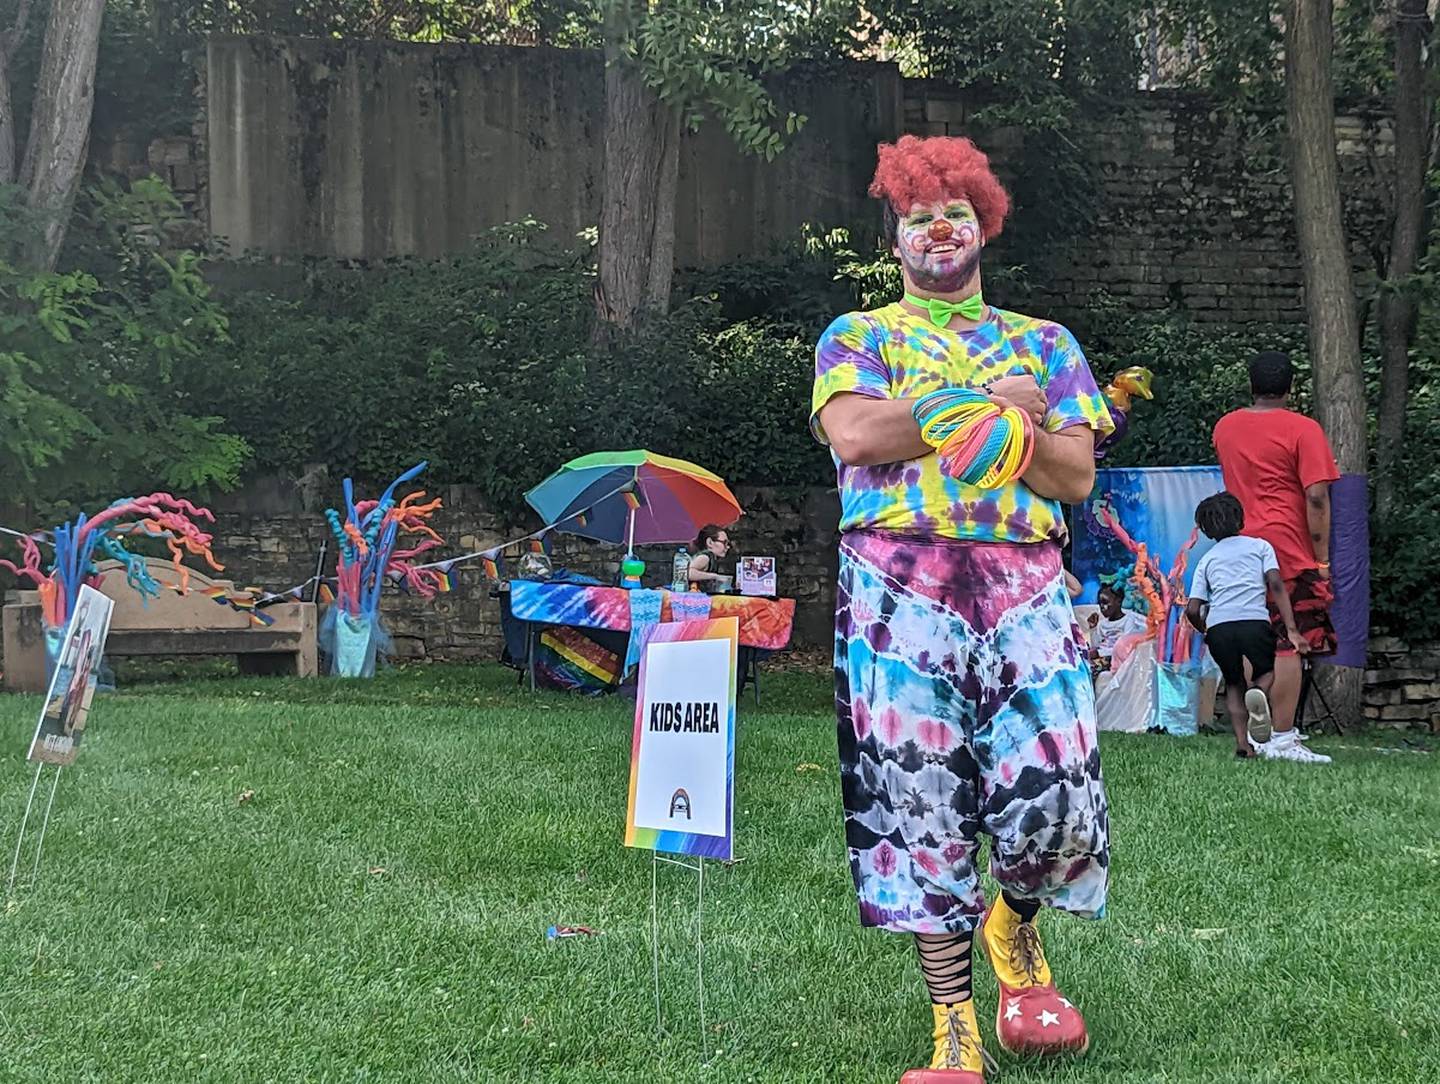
{"type": "Point", "coordinates": [1258, 706]}
{"type": "Point", "coordinates": [1284, 746]}
{"type": "Point", "coordinates": [1300, 735]}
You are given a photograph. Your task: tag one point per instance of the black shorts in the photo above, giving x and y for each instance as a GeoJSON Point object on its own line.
{"type": "Point", "coordinates": [1232, 642]}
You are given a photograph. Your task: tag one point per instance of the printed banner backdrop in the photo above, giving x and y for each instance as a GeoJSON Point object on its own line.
{"type": "Point", "coordinates": [72, 686]}
{"type": "Point", "coordinates": [682, 761]}
{"type": "Point", "coordinates": [1156, 505]}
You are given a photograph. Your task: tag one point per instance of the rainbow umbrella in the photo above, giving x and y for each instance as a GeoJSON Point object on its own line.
{"type": "Point", "coordinates": [632, 497]}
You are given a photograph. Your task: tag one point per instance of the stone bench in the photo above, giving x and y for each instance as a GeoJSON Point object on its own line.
{"type": "Point", "coordinates": [170, 625]}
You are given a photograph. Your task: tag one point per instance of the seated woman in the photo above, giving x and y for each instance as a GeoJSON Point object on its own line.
{"type": "Point", "coordinates": [711, 546]}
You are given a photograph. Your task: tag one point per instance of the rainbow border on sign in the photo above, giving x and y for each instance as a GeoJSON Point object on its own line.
{"type": "Point", "coordinates": [653, 839]}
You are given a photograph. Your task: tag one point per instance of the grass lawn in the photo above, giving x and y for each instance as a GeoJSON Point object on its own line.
{"type": "Point", "coordinates": [377, 910]}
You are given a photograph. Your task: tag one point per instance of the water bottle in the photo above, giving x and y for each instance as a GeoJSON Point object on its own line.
{"type": "Point", "coordinates": [680, 571]}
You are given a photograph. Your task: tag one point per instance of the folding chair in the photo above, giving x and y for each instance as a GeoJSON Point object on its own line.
{"type": "Point", "coordinates": [1308, 684]}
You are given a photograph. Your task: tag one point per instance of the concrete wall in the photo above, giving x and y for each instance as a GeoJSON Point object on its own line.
{"type": "Point", "coordinates": [368, 149]}
{"type": "Point", "coordinates": [371, 149]}
{"type": "Point", "coordinates": [376, 149]}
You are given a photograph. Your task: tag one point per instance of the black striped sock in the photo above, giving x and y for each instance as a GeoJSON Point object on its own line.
{"type": "Point", "coordinates": [945, 963]}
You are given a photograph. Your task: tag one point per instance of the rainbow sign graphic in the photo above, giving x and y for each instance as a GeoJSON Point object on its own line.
{"type": "Point", "coordinates": [682, 761]}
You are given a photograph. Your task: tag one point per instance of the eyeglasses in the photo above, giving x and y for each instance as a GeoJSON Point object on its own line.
{"type": "Point", "coordinates": [723, 541]}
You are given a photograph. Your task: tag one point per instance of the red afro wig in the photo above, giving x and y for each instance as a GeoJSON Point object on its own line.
{"type": "Point", "coordinates": [941, 167]}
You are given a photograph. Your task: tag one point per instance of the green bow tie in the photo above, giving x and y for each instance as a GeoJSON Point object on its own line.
{"type": "Point", "coordinates": [972, 308]}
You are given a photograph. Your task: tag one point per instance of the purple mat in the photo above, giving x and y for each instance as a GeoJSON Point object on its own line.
{"type": "Point", "coordinates": [1350, 570]}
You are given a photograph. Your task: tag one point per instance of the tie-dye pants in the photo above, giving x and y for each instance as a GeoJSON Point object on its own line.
{"type": "Point", "coordinates": [965, 709]}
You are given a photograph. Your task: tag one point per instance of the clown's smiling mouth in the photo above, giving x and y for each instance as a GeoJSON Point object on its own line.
{"type": "Point", "coordinates": [943, 248]}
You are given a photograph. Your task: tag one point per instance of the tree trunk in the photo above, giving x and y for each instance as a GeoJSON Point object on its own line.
{"type": "Point", "coordinates": [637, 216]}
{"type": "Point", "coordinates": [10, 41]}
{"type": "Point", "coordinates": [1398, 308]}
{"type": "Point", "coordinates": [7, 122]}
{"type": "Point", "coordinates": [1325, 259]}
{"type": "Point", "coordinates": [60, 120]}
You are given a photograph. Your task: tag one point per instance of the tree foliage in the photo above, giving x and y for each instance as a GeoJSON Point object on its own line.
{"type": "Point", "coordinates": [526, 22]}
{"type": "Point", "coordinates": [1234, 49]}
{"type": "Point", "coordinates": [1034, 62]}
{"type": "Point", "coordinates": [93, 356]}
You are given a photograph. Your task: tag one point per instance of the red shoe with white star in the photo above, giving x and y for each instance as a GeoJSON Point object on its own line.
{"type": "Point", "coordinates": [1032, 1017]}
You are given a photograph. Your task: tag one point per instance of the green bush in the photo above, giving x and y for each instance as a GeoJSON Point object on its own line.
{"type": "Point", "coordinates": [1200, 374]}
{"type": "Point", "coordinates": [488, 365]}
{"type": "Point", "coordinates": [475, 363]}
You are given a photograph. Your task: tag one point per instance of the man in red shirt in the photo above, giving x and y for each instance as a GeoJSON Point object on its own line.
{"type": "Point", "coordinates": [1280, 465]}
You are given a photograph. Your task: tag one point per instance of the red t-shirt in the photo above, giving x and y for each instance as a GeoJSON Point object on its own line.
{"type": "Point", "coordinates": [1269, 458]}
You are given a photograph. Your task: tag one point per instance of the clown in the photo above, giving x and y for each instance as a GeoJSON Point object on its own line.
{"type": "Point", "coordinates": [962, 684]}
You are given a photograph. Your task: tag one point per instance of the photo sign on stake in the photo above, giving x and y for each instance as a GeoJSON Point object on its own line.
{"type": "Point", "coordinates": [682, 762]}
{"type": "Point", "coordinates": [72, 686]}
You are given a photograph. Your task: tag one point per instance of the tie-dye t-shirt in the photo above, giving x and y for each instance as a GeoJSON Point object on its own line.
{"type": "Point", "coordinates": [891, 353]}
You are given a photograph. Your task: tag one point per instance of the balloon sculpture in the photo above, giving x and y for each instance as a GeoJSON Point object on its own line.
{"type": "Point", "coordinates": [1122, 580]}
{"type": "Point", "coordinates": [368, 535]}
{"type": "Point", "coordinates": [1120, 392]}
{"type": "Point", "coordinates": [1163, 594]}
{"type": "Point", "coordinates": [159, 516]}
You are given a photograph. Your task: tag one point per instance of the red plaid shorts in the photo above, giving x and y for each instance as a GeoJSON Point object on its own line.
{"type": "Point", "coordinates": [1310, 598]}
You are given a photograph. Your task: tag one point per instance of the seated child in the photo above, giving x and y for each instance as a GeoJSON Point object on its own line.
{"type": "Point", "coordinates": [1111, 624]}
{"type": "Point", "coordinates": [1228, 604]}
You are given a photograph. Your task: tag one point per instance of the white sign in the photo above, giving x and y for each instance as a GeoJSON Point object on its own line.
{"type": "Point", "coordinates": [682, 769]}
{"type": "Point", "coordinates": [72, 686]}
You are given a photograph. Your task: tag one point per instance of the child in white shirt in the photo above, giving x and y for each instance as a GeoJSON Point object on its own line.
{"type": "Point", "coordinates": [1111, 624]}
{"type": "Point", "coordinates": [1228, 604]}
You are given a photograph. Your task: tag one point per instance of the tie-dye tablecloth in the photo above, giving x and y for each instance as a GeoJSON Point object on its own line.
{"type": "Point", "coordinates": [764, 622]}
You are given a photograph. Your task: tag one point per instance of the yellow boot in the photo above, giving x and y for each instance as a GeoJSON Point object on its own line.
{"type": "Point", "coordinates": [1032, 1017]}
{"type": "Point", "coordinates": [959, 1058]}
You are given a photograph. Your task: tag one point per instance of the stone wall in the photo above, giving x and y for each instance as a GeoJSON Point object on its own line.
{"type": "Point", "coordinates": [175, 159]}
{"type": "Point", "coordinates": [1402, 684]}
{"type": "Point", "coordinates": [269, 534]}
{"type": "Point", "coordinates": [1193, 210]}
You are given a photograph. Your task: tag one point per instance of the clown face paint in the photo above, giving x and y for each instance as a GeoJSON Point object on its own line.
{"type": "Point", "coordinates": [939, 245]}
